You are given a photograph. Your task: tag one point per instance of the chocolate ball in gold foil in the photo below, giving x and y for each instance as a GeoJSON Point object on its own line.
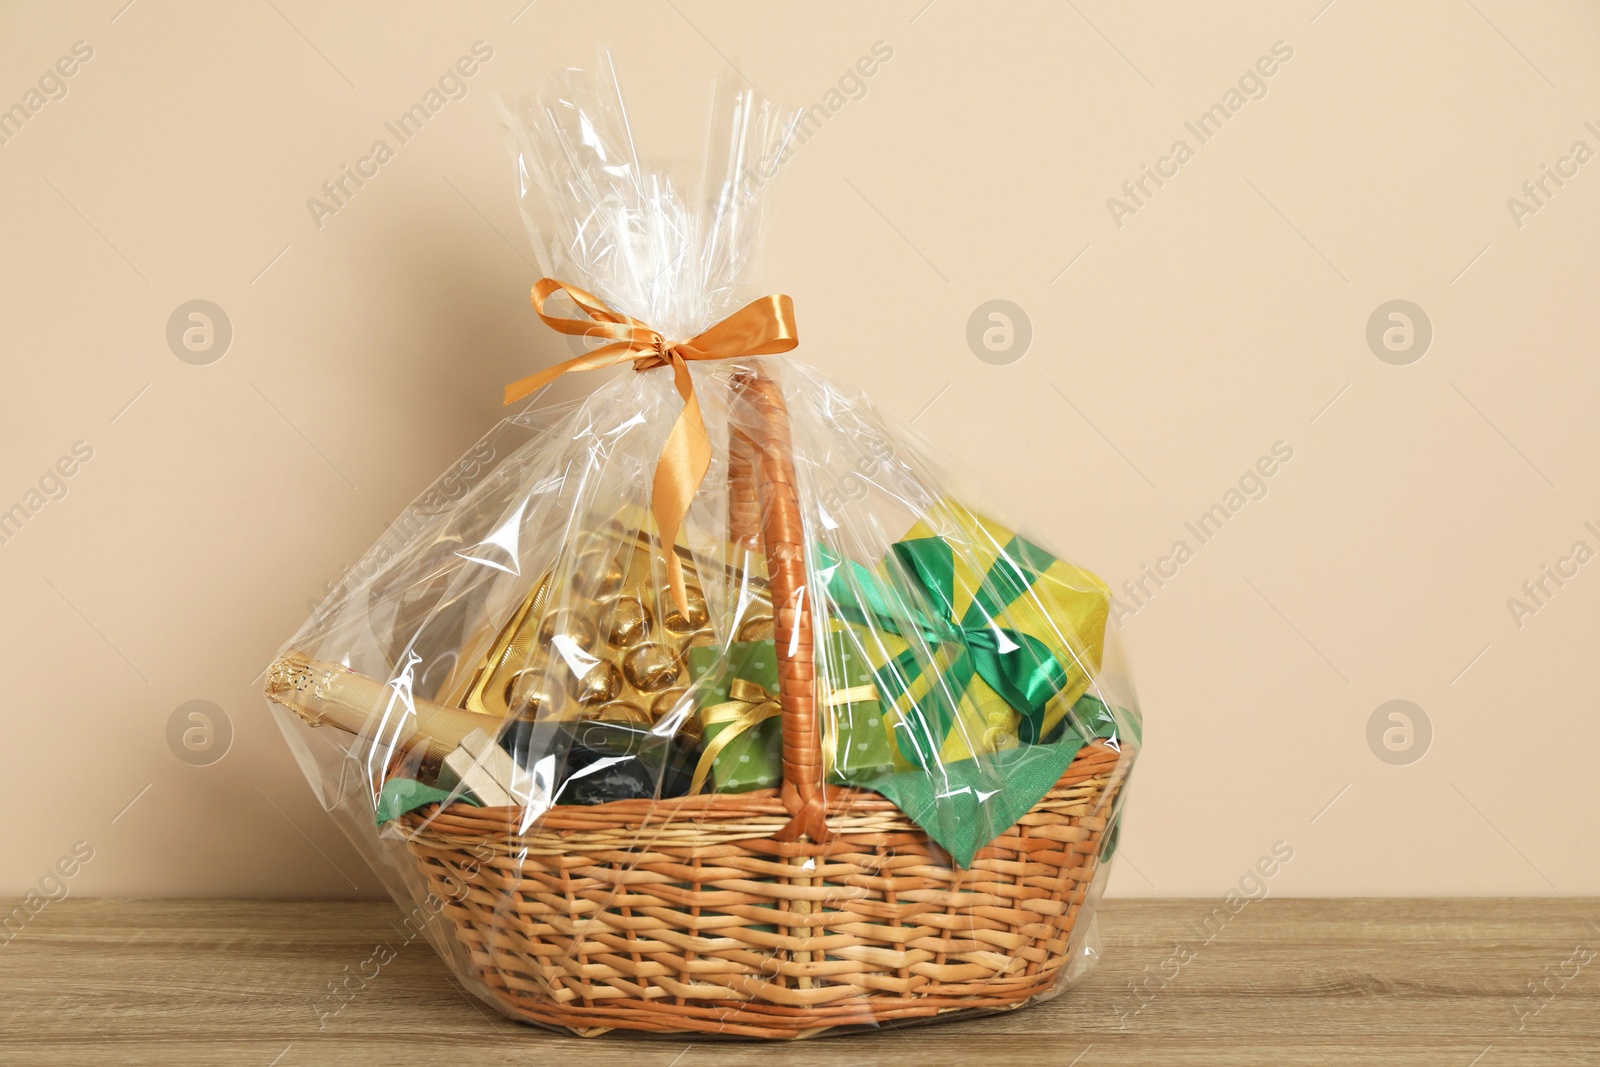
{"type": "Point", "coordinates": [683, 622]}
{"type": "Point", "coordinates": [704, 636]}
{"type": "Point", "coordinates": [623, 713]}
{"type": "Point", "coordinates": [651, 667]}
{"type": "Point", "coordinates": [571, 624]}
{"type": "Point", "coordinates": [530, 695]}
{"type": "Point", "coordinates": [600, 685]}
{"type": "Point", "coordinates": [666, 703]}
{"type": "Point", "coordinates": [756, 628]}
{"type": "Point", "coordinates": [629, 622]}
{"type": "Point", "coordinates": [596, 574]}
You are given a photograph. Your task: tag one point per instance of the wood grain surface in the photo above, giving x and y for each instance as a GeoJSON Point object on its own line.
{"type": "Point", "coordinates": [1447, 983]}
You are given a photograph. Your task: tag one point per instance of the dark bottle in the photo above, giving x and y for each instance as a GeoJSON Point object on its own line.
{"type": "Point", "coordinates": [592, 762]}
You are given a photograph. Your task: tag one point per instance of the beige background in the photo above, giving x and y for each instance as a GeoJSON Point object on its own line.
{"type": "Point", "coordinates": [1227, 314]}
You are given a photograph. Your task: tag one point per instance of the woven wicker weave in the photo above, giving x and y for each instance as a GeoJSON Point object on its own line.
{"type": "Point", "coordinates": [770, 914]}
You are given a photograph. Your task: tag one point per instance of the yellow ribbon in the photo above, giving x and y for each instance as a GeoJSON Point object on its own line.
{"type": "Point", "coordinates": [749, 704]}
{"type": "Point", "coordinates": [760, 328]}
{"type": "Point", "coordinates": [852, 695]}
{"type": "Point", "coordinates": [830, 721]}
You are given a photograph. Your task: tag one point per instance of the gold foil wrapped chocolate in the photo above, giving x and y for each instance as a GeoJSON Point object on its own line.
{"type": "Point", "coordinates": [597, 574]}
{"type": "Point", "coordinates": [611, 644]}
{"type": "Point", "coordinates": [628, 622]}
{"type": "Point", "coordinates": [610, 648]}
{"type": "Point", "coordinates": [651, 667]}
{"type": "Point", "coordinates": [679, 622]}
{"type": "Point", "coordinates": [577, 629]}
{"type": "Point", "coordinates": [600, 684]}
{"type": "Point", "coordinates": [530, 694]}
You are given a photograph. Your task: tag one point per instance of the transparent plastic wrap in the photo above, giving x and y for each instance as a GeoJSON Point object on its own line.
{"type": "Point", "coordinates": [711, 703]}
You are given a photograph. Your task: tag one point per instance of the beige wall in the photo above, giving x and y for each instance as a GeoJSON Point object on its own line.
{"type": "Point", "coordinates": [1227, 313]}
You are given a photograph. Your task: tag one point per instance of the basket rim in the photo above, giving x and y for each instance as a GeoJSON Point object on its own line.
{"type": "Point", "coordinates": [1096, 765]}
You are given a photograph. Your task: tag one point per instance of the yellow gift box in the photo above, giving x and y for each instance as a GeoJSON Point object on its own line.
{"type": "Point", "coordinates": [979, 639]}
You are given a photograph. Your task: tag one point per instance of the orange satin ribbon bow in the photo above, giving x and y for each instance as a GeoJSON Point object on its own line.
{"type": "Point", "coordinates": [760, 328]}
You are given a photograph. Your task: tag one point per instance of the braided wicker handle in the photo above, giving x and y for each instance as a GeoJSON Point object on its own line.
{"type": "Point", "coordinates": [764, 513]}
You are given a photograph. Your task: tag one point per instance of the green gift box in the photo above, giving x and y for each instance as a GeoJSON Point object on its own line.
{"type": "Point", "coordinates": [969, 803]}
{"type": "Point", "coordinates": [982, 647]}
{"type": "Point", "coordinates": [740, 724]}
{"type": "Point", "coordinates": [979, 639]}
{"type": "Point", "coordinates": [963, 806]}
{"type": "Point", "coordinates": [854, 730]}
{"type": "Point", "coordinates": [737, 698]}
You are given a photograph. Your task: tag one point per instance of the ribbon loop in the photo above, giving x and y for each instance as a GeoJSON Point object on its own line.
{"type": "Point", "coordinates": [1019, 667]}
{"type": "Point", "coordinates": [762, 327]}
{"type": "Point", "coordinates": [749, 704]}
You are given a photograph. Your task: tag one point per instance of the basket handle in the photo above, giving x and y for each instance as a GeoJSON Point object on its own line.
{"type": "Point", "coordinates": [763, 502]}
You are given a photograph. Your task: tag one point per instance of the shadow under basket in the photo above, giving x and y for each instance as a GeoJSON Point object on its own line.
{"type": "Point", "coordinates": [687, 916]}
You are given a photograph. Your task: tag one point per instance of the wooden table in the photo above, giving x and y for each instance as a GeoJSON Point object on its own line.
{"type": "Point", "coordinates": [1447, 983]}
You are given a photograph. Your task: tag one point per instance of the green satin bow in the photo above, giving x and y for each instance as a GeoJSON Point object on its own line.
{"type": "Point", "coordinates": [1016, 665]}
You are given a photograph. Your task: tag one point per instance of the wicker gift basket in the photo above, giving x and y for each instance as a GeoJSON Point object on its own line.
{"type": "Point", "coordinates": [657, 731]}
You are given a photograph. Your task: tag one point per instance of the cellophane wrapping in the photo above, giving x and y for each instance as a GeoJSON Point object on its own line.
{"type": "Point", "coordinates": [525, 595]}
